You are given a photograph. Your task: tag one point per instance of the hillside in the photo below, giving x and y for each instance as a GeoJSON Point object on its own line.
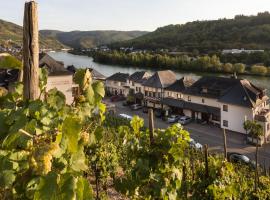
{"type": "Point", "coordinates": [89, 39]}
{"type": "Point", "coordinates": [13, 34]}
{"type": "Point", "coordinates": [251, 32]}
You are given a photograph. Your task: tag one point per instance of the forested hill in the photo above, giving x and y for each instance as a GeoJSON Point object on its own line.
{"type": "Point", "coordinates": [251, 32]}
{"type": "Point", "coordinates": [12, 34]}
{"type": "Point", "coordinates": [90, 39]}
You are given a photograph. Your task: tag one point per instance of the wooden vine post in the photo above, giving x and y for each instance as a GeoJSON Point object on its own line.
{"type": "Point", "coordinates": [225, 143]}
{"type": "Point", "coordinates": [30, 51]}
{"type": "Point", "coordinates": [151, 125]}
{"type": "Point", "coordinates": [206, 161]}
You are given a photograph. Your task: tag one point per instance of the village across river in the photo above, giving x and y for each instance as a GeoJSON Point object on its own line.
{"type": "Point", "coordinates": [108, 70]}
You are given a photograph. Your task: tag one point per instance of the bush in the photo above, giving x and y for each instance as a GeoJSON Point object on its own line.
{"type": "Point", "coordinates": [259, 70]}
{"type": "Point", "coordinates": [239, 67]}
{"type": "Point", "coordinates": [228, 67]}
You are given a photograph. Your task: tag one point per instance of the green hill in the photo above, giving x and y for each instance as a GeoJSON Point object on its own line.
{"type": "Point", "coordinates": [89, 39]}
{"type": "Point", "coordinates": [250, 32]}
{"type": "Point", "coordinates": [12, 34]}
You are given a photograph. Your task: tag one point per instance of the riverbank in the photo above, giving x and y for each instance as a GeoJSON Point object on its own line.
{"type": "Point", "coordinates": [203, 64]}
{"type": "Point", "coordinates": [83, 61]}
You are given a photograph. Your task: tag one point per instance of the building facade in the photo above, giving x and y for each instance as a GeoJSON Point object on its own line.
{"type": "Point", "coordinates": [117, 84]}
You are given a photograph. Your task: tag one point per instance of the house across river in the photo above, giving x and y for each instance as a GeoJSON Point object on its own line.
{"type": "Point", "coordinates": [226, 102]}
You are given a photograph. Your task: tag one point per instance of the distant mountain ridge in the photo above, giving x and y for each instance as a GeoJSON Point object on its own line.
{"type": "Point", "coordinates": [12, 33]}
{"type": "Point", "coordinates": [250, 32]}
{"type": "Point", "coordinates": [90, 39]}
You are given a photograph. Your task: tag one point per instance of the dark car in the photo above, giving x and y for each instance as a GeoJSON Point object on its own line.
{"type": "Point", "coordinates": [158, 113]}
{"type": "Point", "coordinates": [145, 110]}
{"type": "Point", "coordinates": [127, 103]}
{"type": "Point", "coordinates": [117, 98]}
{"type": "Point", "coordinates": [240, 158]}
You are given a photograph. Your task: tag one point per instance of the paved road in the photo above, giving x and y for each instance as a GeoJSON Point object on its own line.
{"type": "Point", "coordinates": [211, 135]}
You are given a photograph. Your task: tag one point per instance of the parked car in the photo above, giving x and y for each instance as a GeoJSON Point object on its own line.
{"type": "Point", "coordinates": [136, 107]}
{"type": "Point", "coordinates": [158, 113]}
{"type": "Point", "coordinates": [195, 145]}
{"type": "Point", "coordinates": [127, 103]}
{"type": "Point", "coordinates": [125, 116]}
{"type": "Point", "coordinates": [145, 109]}
{"type": "Point", "coordinates": [173, 118]}
{"type": "Point", "coordinates": [117, 98]}
{"type": "Point", "coordinates": [240, 158]}
{"type": "Point", "coordinates": [184, 120]}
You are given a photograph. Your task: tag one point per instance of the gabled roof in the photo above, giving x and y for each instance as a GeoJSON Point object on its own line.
{"type": "Point", "coordinates": [121, 77]}
{"type": "Point", "coordinates": [96, 74]}
{"type": "Point", "coordinates": [227, 90]}
{"type": "Point", "coordinates": [52, 64]}
{"type": "Point", "coordinates": [243, 93]}
{"type": "Point", "coordinates": [161, 79]}
{"type": "Point", "coordinates": [139, 77]}
{"type": "Point", "coordinates": [211, 86]}
{"type": "Point", "coordinates": [181, 84]}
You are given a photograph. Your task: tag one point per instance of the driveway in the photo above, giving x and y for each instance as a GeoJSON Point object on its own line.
{"type": "Point", "coordinates": [208, 134]}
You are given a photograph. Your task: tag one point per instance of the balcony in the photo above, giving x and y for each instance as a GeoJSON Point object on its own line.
{"type": "Point", "coordinates": [263, 115]}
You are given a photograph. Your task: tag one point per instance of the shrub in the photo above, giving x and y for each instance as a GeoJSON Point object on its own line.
{"type": "Point", "coordinates": [260, 70]}
{"type": "Point", "coordinates": [239, 67]}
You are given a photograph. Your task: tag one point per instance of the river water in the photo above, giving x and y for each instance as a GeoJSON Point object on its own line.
{"type": "Point", "coordinates": [107, 70]}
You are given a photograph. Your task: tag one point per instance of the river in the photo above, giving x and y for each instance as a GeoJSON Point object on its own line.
{"type": "Point", "coordinates": [107, 70]}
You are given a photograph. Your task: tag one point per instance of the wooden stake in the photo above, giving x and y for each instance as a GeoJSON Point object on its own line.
{"type": "Point", "coordinates": [206, 161]}
{"type": "Point", "coordinates": [225, 143]}
{"type": "Point", "coordinates": [151, 125]}
{"type": "Point", "coordinates": [30, 52]}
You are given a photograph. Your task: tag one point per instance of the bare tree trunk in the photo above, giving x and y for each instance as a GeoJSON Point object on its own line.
{"type": "Point", "coordinates": [30, 52]}
{"type": "Point", "coordinates": [225, 143]}
{"type": "Point", "coordinates": [151, 125]}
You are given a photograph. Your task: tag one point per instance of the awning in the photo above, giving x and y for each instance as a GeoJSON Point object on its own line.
{"type": "Point", "coordinates": [191, 106]}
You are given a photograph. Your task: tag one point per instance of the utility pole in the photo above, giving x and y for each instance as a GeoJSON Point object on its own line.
{"type": "Point", "coordinates": [31, 51]}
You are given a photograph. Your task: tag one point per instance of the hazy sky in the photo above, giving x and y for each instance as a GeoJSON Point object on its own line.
{"type": "Point", "coordinates": [128, 14]}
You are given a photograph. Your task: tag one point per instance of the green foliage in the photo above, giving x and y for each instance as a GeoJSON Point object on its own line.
{"type": "Point", "coordinates": [249, 32]}
{"type": "Point", "coordinates": [260, 70]}
{"type": "Point", "coordinates": [42, 153]}
{"type": "Point", "coordinates": [10, 62]}
{"type": "Point", "coordinates": [239, 68]}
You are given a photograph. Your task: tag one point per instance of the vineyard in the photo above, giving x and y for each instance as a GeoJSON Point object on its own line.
{"type": "Point", "coordinates": [53, 151]}
{"type": "Point", "coordinates": [50, 150]}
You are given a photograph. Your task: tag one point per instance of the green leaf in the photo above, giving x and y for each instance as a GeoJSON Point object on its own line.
{"type": "Point", "coordinates": [83, 78]}
{"type": "Point", "coordinates": [90, 95]}
{"type": "Point", "coordinates": [84, 190]}
{"type": "Point", "coordinates": [7, 178]}
{"type": "Point", "coordinates": [56, 99]}
{"type": "Point", "coordinates": [3, 125]}
{"type": "Point", "coordinates": [67, 187]}
{"type": "Point", "coordinates": [43, 77]}
{"type": "Point", "coordinates": [47, 188]}
{"type": "Point", "coordinates": [99, 133]}
{"type": "Point", "coordinates": [98, 87]}
{"type": "Point", "coordinates": [71, 132]}
{"type": "Point", "coordinates": [78, 161]}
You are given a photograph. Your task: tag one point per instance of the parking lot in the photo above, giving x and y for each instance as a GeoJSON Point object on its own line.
{"type": "Point", "coordinates": [207, 134]}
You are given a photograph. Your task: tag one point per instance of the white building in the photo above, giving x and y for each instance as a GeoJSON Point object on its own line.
{"type": "Point", "coordinates": [117, 84]}
{"type": "Point", "coordinates": [227, 102]}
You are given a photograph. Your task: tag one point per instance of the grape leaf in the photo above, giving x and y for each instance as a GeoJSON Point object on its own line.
{"type": "Point", "coordinates": [71, 131]}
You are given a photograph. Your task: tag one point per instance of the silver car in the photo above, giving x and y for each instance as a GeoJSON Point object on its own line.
{"type": "Point", "coordinates": [185, 120]}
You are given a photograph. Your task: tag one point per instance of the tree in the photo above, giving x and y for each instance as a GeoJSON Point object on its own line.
{"type": "Point", "coordinates": [228, 67]}
{"type": "Point", "coordinates": [260, 70]}
{"type": "Point", "coordinates": [239, 67]}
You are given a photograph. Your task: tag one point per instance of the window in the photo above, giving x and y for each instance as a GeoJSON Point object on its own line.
{"type": "Point", "coordinates": [203, 101]}
{"type": "Point", "coordinates": [178, 96]}
{"type": "Point", "coordinates": [146, 93]}
{"type": "Point", "coordinates": [215, 118]}
{"type": "Point", "coordinates": [225, 123]}
{"type": "Point", "coordinates": [225, 108]}
{"type": "Point", "coordinates": [189, 98]}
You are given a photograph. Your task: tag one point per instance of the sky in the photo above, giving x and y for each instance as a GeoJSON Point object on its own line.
{"type": "Point", "coordinates": [147, 15]}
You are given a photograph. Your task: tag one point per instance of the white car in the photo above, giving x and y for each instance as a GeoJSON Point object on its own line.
{"type": "Point", "coordinates": [125, 116]}
{"type": "Point", "coordinates": [136, 107]}
{"type": "Point", "coordinates": [195, 144]}
{"type": "Point", "coordinates": [185, 120]}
